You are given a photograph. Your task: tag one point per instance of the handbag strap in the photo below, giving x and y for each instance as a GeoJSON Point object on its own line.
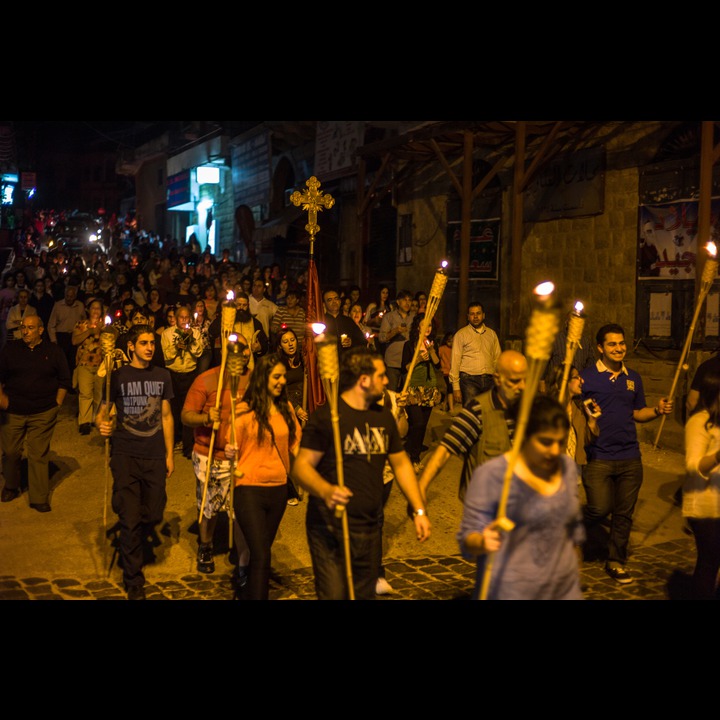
{"type": "Point", "coordinates": [287, 472]}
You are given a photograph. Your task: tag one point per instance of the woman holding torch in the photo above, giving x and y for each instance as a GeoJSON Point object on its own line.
{"type": "Point", "coordinates": [424, 384]}
{"type": "Point", "coordinates": [538, 559]}
{"type": "Point", "coordinates": [266, 433]}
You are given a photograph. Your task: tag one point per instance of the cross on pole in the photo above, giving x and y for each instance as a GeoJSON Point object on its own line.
{"type": "Point", "coordinates": [313, 201]}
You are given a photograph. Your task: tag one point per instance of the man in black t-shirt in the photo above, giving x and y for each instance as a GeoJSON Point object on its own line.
{"type": "Point", "coordinates": [368, 435]}
{"type": "Point", "coordinates": [142, 450]}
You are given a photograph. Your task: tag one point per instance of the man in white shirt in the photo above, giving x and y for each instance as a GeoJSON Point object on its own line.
{"type": "Point", "coordinates": [260, 307]}
{"type": "Point", "coordinates": [475, 352]}
{"type": "Point", "coordinates": [64, 316]}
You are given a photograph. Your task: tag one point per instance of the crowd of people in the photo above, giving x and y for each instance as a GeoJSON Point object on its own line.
{"type": "Point", "coordinates": [206, 362]}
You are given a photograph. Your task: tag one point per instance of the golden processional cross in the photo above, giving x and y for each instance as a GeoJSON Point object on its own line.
{"type": "Point", "coordinates": [313, 201]}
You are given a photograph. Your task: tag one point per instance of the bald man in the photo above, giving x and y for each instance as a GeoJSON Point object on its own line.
{"type": "Point", "coordinates": [484, 428]}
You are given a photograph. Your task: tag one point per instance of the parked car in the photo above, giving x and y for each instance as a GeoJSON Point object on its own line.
{"type": "Point", "coordinates": [79, 233]}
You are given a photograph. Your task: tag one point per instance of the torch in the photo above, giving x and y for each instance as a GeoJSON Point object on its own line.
{"type": "Point", "coordinates": [574, 333]}
{"type": "Point", "coordinates": [329, 369]}
{"type": "Point", "coordinates": [708, 277]}
{"type": "Point", "coordinates": [235, 367]}
{"type": "Point", "coordinates": [227, 322]}
{"type": "Point", "coordinates": [108, 338]}
{"type": "Point", "coordinates": [540, 335]}
{"type": "Point", "coordinates": [434, 297]}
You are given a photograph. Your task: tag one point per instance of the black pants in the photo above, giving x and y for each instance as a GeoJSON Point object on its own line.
{"type": "Point", "coordinates": [259, 511]}
{"type": "Point", "coordinates": [138, 499]}
{"type": "Point", "coordinates": [64, 340]}
{"type": "Point", "coordinates": [707, 565]}
{"type": "Point", "coordinates": [181, 383]}
{"type": "Point", "coordinates": [418, 418]}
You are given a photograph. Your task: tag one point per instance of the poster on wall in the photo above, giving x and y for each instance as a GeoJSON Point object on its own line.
{"type": "Point", "coordinates": [668, 242]}
{"type": "Point", "coordinates": [660, 314]}
{"type": "Point", "coordinates": [484, 248]}
{"type": "Point", "coordinates": [712, 314]}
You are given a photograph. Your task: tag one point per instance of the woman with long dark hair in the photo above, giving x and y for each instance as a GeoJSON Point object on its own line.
{"type": "Point", "coordinates": [701, 490]}
{"type": "Point", "coordinates": [288, 348]}
{"type": "Point", "coordinates": [425, 387]}
{"type": "Point", "coordinates": [267, 434]}
{"type": "Point", "coordinates": [156, 307]}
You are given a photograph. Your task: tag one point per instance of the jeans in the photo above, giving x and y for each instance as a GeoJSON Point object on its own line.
{"type": "Point", "coordinates": [327, 550]}
{"type": "Point", "coordinates": [472, 385]}
{"type": "Point", "coordinates": [612, 488]}
{"type": "Point", "coordinates": [387, 487]}
{"type": "Point", "coordinates": [181, 383]}
{"type": "Point", "coordinates": [707, 564]}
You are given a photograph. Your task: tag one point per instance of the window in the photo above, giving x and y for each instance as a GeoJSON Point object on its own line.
{"type": "Point", "coordinates": [405, 239]}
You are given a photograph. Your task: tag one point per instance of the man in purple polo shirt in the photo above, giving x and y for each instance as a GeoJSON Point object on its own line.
{"type": "Point", "coordinates": [614, 472]}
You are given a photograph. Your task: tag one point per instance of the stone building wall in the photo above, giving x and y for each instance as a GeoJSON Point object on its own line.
{"type": "Point", "coordinates": [592, 259]}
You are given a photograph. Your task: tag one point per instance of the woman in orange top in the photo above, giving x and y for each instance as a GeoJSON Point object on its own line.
{"type": "Point", "coordinates": [267, 433]}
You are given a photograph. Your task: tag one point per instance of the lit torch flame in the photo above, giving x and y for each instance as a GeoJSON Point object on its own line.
{"type": "Point", "coordinates": [319, 330]}
{"type": "Point", "coordinates": [544, 289]}
{"type": "Point", "coordinates": [711, 247]}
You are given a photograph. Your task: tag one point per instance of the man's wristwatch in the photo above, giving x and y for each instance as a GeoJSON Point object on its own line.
{"type": "Point", "coordinates": [419, 512]}
{"type": "Point", "coordinates": [657, 411]}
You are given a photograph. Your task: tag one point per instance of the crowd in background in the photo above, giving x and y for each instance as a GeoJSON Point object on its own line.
{"type": "Point", "coordinates": [145, 278]}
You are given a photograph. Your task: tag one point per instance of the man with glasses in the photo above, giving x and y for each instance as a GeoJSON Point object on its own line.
{"type": "Point", "coordinates": [34, 379]}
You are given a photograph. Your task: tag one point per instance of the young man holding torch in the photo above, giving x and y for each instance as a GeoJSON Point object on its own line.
{"type": "Point", "coordinates": [142, 450]}
{"type": "Point", "coordinates": [614, 471]}
{"type": "Point", "coordinates": [368, 436]}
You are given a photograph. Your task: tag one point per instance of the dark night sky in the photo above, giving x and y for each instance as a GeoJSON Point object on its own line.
{"type": "Point", "coordinates": [69, 134]}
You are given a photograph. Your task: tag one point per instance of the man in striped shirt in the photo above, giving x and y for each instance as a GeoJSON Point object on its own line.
{"type": "Point", "coordinates": [484, 428]}
{"type": "Point", "coordinates": [291, 315]}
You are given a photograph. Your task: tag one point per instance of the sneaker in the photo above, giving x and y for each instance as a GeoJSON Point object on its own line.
{"type": "Point", "coordinates": [619, 574]}
{"type": "Point", "coordinates": [178, 447]}
{"type": "Point", "coordinates": [239, 578]}
{"type": "Point", "coordinates": [205, 560]}
{"type": "Point", "coordinates": [293, 502]}
{"type": "Point", "coordinates": [382, 587]}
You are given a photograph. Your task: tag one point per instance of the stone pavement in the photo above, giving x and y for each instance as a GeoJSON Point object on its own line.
{"type": "Point", "coordinates": [67, 554]}
{"type": "Point", "coordinates": [422, 578]}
